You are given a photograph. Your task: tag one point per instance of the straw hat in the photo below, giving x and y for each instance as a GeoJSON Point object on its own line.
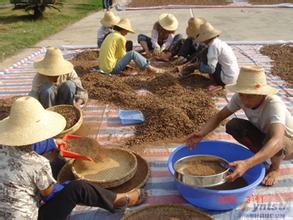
{"type": "Point", "coordinates": [168, 22]}
{"type": "Point", "coordinates": [194, 24]}
{"type": "Point", "coordinates": [53, 64]}
{"type": "Point", "coordinates": [109, 19]}
{"type": "Point", "coordinates": [207, 31]}
{"type": "Point", "coordinates": [125, 24]}
{"type": "Point", "coordinates": [28, 123]}
{"type": "Point", "coordinates": [252, 80]}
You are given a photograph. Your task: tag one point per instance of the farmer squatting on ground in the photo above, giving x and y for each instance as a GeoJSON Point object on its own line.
{"type": "Point", "coordinates": [268, 132]}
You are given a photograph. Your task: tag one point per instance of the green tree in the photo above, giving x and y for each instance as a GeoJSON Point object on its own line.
{"type": "Point", "coordinates": [37, 6]}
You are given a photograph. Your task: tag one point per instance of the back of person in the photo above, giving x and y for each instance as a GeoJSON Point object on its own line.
{"type": "Point", "coordinates": [18, 183]}
{"type": "Point", "coordinates": [226, 59]}
{"type": "Point", "coordinates": [112, 49]}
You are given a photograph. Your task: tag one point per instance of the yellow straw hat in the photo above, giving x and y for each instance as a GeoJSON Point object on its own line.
{"type": "Point", "coordinates": [252, 80]}
{"type": "Point", "coordinates": [207, 31]}
{"type": "Point", "coordinates": [194, 24]}
{"type": "Point", "coordinates": [109, 19]}
{"type": "Point", "coordinates": [29, 123]}
{"type": "Point", "coordinates": [125, 24]}
{"type": "Point", "coordinates": [168, 22]}
{"type": "Point", "coordinates": [53, 64]}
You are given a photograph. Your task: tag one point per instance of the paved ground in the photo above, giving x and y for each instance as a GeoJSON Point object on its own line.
{"type": "Point", "coordinates": [252, 24]}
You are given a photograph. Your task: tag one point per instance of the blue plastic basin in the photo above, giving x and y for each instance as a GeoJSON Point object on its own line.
{"type": "Point", "coordinates": [218, 199]}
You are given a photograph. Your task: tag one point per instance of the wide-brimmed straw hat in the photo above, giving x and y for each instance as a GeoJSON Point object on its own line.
{"type": "Point", "coordinates": [109, 19]}
{"type": "Point", "coordinates": [125, 24]}
{"type": "Point", "coordinates": [252, 80]}
{"type": "Point", "coordinates": [53, 63]}
{"type": "Point", "coordinates": [29, 123]}
{"type": "Point", "coordinates": [168, 22]}
{"type": "Point", "coordinates": [207, 31]}
{"type": "Point", "coordinates": [193, 27]}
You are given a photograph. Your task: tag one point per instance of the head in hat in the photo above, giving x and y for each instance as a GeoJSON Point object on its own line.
{"type": "Point", "coordinates": [29, 123]}
{"type": "Point", "coordinates": [207, 32]}
{"type": "Point", "coordinates": [193, 27]}
{"type": "Point", "coordinates": [109, 19]}
{"type": "Point", "coordinates": [168, 22]}
{"type": "Point", "coordinates": [53, 64]}
{"type": "Point", "coordinates": [252, 85]}
{"type": "Point", "coordinates": [124, 26]}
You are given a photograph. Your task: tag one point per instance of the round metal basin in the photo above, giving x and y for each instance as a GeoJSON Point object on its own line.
{"type": "Point", "coordinates": [201, 170]}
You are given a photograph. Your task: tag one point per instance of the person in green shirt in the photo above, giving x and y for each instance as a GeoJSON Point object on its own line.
{"type": "Point", "coordinates": [113, 57]}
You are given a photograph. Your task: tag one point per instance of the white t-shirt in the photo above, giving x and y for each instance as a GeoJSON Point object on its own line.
{"type": "Point", "coordinates": [102, 32]}
{"type": "Point", "coordinates": [272, 110]}
{"type": "Point", "coordinates": [220, 52]}
{"type": "Point", "coordinates": [22, 175]}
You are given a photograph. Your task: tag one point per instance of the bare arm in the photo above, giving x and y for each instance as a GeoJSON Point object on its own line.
{"type": "Point", "coordinates": [271, 147]}
{"type": "Point", "coordinates": [211, 125]}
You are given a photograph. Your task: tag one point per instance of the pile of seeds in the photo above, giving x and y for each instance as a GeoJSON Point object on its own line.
{"type": "Point", "coordinates": [5, 105]}
{"type": "Point", "coordinates": [282, 56]}
{"type": "Point", "coordinates": [172, 108]}
{"type": "Point", "coordinates": [68, 112]}
{"type": "Point", "coordinates": [87, 147]}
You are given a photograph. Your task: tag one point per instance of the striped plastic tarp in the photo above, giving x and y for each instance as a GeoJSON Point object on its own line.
{"type": "Point", "coordinates": [265, 203]}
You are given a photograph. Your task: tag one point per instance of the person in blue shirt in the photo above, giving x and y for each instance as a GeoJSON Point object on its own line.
{"type": "Point", "coordinates": [26, 176]}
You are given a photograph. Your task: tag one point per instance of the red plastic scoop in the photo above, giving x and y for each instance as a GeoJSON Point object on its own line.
{"type": "Point", "coordinates": [70, 154]}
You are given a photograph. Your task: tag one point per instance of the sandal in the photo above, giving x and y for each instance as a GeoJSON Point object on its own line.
{"type": "Point", "coordinates": [140, 199]}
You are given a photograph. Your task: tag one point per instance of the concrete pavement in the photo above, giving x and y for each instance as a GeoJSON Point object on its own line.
{"type": "Point", "coordinates": [237, 24]}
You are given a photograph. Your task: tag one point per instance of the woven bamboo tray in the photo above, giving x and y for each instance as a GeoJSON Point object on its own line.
{"type": "Point", "coordinates": [167, 212]}
{"type": "Point", "coordinates": [117, 168]}
{"type": "Point", "coordinates": [74, 110]}
{"type": "Point", "coordinates": [138, 180]}
{"type": "Point", "coordinates": [66, 173]}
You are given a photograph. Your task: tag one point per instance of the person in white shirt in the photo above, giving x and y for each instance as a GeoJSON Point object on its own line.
{"type": "Point", "coordinates": [108, 22]}
{"type": "Point", "coordinates": [268, 132]}
{"type": "Point", "coordinates": [162, 36]}
{"type": "Point", "coordinates": [220, 62]}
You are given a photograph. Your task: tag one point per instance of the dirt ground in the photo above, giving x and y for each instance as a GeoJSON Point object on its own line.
{"type": "Point", "coordinates": [282, 56]}
{"type": "Point", "coordinates": [172, 107]}
{"type": "Point", "coordinates": [143, 3]}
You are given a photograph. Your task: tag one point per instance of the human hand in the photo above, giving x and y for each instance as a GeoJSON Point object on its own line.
{"type": "Point", "coordinates": [77, 103]}
{"type": "Point", "coordinates": [193, 139]}
{"type": "Point", "coordinates": [59, 141]}
{"type": "Point", "coordinates": [157, 50]}
{"type": "Point", "coordinates": [241, 167]}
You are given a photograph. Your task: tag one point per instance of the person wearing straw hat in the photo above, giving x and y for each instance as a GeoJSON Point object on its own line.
{"type": "Point", "coordinates": [268, 132]}
{"type": "Point", "coordinates": [26, 175]}
{"type": "Point", "coordinates": [220, 62]}
{"type": "Point", "coordinates": [113, 57]}
{"type": "Point", "coordinates": [108, 22]}
{"type": "Point", "coordinates": [56, 81]}
{"type": "Point", "coordinates": [162, 37]}
{"type": "Point", "coordinates": [191, 49]}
